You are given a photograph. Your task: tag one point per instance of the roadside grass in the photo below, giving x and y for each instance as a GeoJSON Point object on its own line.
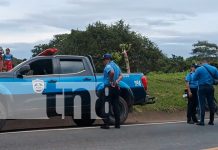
{"type": "Point", "coordinates": [168, 90]}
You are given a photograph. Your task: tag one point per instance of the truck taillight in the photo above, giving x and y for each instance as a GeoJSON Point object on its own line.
{"type": "Point", "coordinates": [145, 82]}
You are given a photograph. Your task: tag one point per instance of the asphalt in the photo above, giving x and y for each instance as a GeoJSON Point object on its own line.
{"type": "Point", "coordinates": [151, 136]}
{"type": "Point", "coordinates": [57, 122]}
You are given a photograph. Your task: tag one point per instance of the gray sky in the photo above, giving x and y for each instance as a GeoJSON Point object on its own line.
{"type": "Point", "coordinates": [174, 25]}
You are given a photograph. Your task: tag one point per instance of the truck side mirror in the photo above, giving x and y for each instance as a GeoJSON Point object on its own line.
{"type": "Point", "coordinates": [23, 70]}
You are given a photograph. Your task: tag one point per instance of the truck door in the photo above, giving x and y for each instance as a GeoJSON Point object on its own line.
{"type": "Point", "coordinates": [34, 88]}
{"type": "Point", "coordinates": [77, 75]}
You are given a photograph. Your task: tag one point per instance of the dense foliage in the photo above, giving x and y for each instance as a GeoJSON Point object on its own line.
{"type": "Point", "coordinates": [99, 38]}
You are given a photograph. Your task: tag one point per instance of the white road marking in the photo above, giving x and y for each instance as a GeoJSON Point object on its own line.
{"type": "Point", "coordinates": [96, 127]}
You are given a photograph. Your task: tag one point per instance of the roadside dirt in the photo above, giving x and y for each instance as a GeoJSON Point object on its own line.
{"type": "Point", "coordinates": [56, 122]}
{"type": "Point", "coordinates": [148, 117]}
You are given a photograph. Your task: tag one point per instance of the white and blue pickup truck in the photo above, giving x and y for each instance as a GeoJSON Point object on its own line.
{"type": "Point", "coordinates": [35, 80]}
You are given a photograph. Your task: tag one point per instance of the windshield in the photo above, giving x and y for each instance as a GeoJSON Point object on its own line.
{"type": "Point", "coordinates": [18, 66]}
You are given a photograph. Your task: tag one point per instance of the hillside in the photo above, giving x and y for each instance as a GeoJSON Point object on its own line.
{"type": "Point", "coordinates": [168, 90]}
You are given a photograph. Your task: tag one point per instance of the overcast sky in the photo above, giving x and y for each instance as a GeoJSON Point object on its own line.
{"type": "Point", "coordinates": [174, 25]}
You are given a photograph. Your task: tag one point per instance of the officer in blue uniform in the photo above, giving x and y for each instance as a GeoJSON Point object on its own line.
{"type": "Point", "coordinates": [205, 75]}
{"type": "Point", "coordinates": [112, 77]}
{"type": "Point", "coordinates": [192, 88]}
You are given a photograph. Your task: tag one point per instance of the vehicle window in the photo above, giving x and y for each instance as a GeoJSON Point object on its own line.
{"type": "Point", "coordinates": [41, 67]}
{"type": "Point", "coordinates": [18, 66]}
{"type": "Point", "coordinates": [71, 66]}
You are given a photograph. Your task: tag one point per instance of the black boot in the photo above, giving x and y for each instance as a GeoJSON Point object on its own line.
{"type": "Point", "coordinates": [195, 120]}
{"type": "Point", "coordinates": [117, 126]}
{"type": "Point", "coordinates": [105, 126]}
{"type": "Point", "coordinates": [211, 122]}
{"type": "Point", "coordinates": [189, 121]}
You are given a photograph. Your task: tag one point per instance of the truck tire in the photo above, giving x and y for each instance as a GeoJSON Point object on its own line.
{"type": "Point", "coordinates": [3, 115]}
{"type": "Point", "coordinates": [124, 111]}
{"type": "Point", "coordinates": [84, 122]}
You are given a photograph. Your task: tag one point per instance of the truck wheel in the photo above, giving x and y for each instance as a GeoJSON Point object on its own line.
{"type": "Point", "coordinates": [3, 115]}
{"type": "Point", "coordinates": [124, 110]}
{"type": "Point", "coordinates": [84, 122]}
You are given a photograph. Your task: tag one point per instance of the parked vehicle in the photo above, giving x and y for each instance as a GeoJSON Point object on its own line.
{"type": "Point", "coordinates": [36, 79]}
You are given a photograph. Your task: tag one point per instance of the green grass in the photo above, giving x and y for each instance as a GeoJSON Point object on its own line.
{"type": "Point", "coordinates": [168, 90]}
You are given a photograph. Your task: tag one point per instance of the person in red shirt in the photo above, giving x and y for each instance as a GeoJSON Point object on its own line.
{"type": "Point", "coordinates": [1, 59]}
{"type": "Point", "coordinates": [8, 60]}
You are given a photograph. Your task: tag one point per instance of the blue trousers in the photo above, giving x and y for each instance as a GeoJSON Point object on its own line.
{"type": "Point", "coordinates": [192, 105]}
{"type": "Point", "coordinates": [206, 92]}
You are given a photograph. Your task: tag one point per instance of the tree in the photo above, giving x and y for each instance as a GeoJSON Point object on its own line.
{"type": "Point", "coordinates": [100, 38]}
{"type": "Point", "coordinates": [177, 64]}
{"type": "Point", "coordinates": [39, 48]}
{"type": "Point", "coordinates": [205, 50]}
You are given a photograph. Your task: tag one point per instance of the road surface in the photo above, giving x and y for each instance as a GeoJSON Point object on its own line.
{"type": "Point", "coordinates": [152, 136]}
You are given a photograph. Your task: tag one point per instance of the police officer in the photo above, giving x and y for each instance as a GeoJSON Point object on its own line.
{"type": "Point", "coordinates": [192, 87]}
{"type": "Point", "coordinates": [205, 76]}
{"type": "Point", "coordinates": [112, 77]}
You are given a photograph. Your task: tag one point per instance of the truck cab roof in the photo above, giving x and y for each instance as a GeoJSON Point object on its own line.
{"type": "Point", "coordinates": [61, 56]}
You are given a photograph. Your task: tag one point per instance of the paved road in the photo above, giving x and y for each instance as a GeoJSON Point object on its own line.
{"type": "Point", "coordinates": [164, 136]}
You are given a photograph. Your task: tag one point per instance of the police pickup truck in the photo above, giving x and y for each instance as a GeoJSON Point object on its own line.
{"type": "Point", "coordinates": [39, 87]}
